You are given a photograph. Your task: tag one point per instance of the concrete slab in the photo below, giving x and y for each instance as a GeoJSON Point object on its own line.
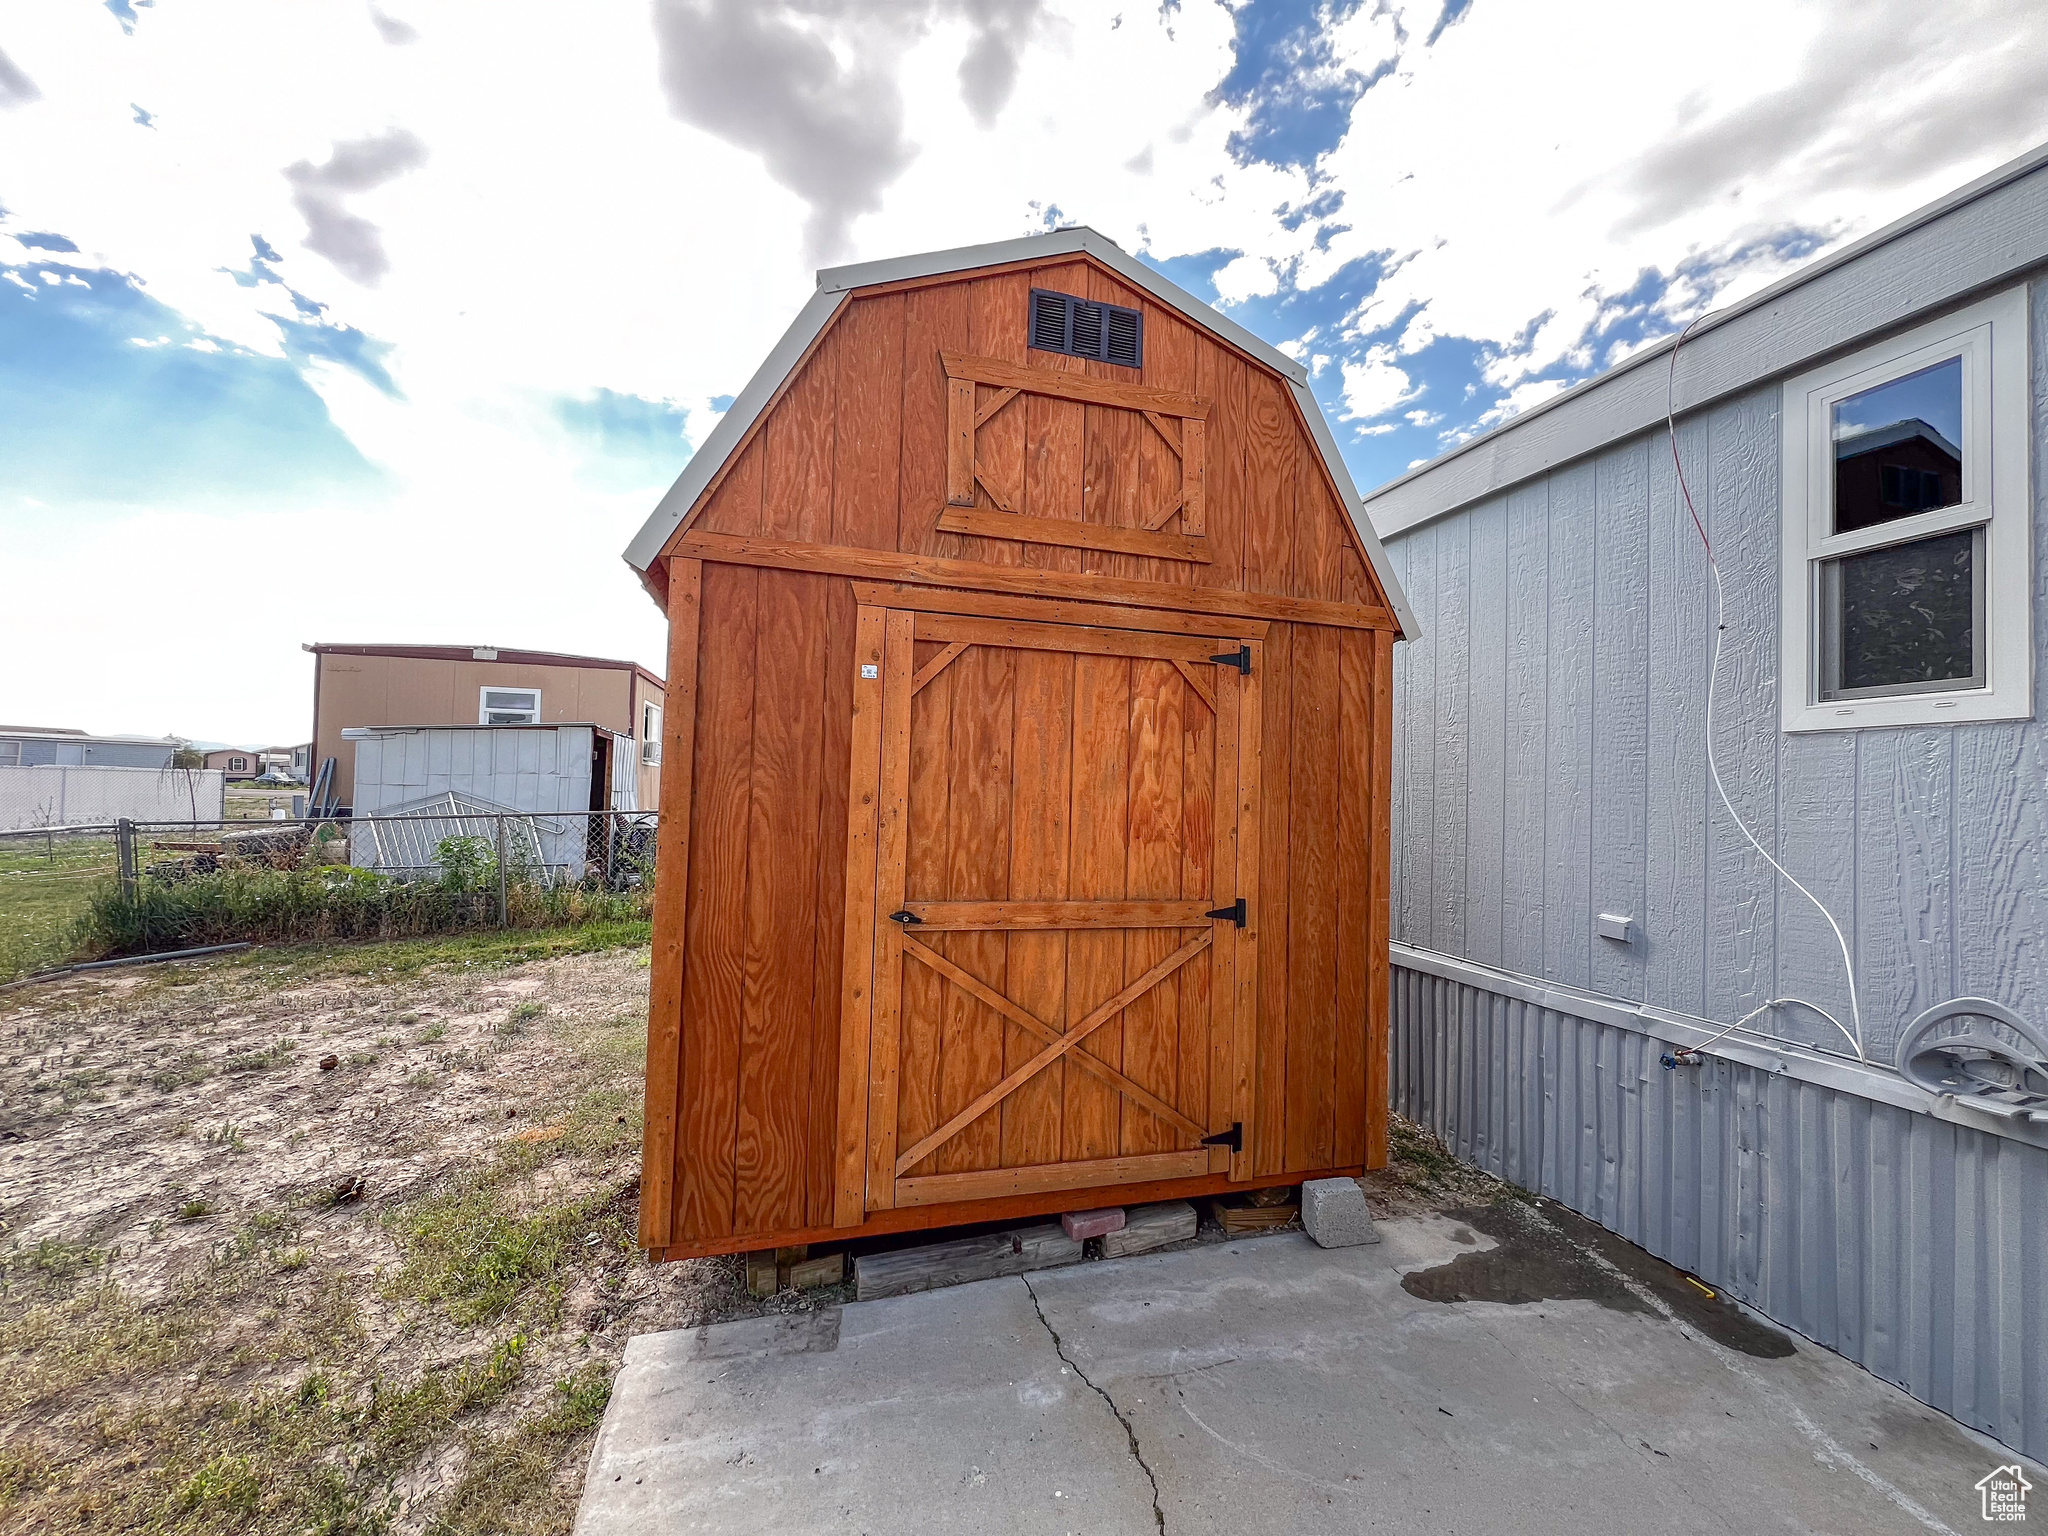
{"type": "Point", "coordinates": [1263, 1385]}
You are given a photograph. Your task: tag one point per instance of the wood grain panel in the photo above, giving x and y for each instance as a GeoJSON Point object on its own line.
{"type": "Point", "coordinates": [877, 565]}
{"type": "Point", "coordinates": [1100, 823]}
{"type": "Point", "coordinates": [1040, 610]}
{"type": "Point", "coordinates": [663, 1100]}
{"type": "Point", "coordinates": [1377, 979]}
{"type": "Point", "coordinates": [1004, 296]}
{"type": "Point", "coordinates": [1221, 374]}
{"type": "Point", "coordinates": [1152, 1022]}
{"type": "Point", "coordinates": [734, 507]}
{"type": "Point", "coordinates": [1275, 679]}
{"type": "Point", "coordinates": [1149, 553]}
{"type": "Point", "coordinates": [781, 905]}
{"type": "Point", "coordinates": [1355, 797]}
{"type": "Point", "coordinates": [797, 443]}
{"type": "Point", "coordinates": [834, 691]}
{"type": "Point", "coordinates": [1197, 1022]}
{"type": "Point", "coordinates": [868, 436]}
{"type": "Point", "coordinates": [934, 318]}
{"type": "Point", "coordinates": [863, 832]}
{"type": "Point", "coordinates": [978, 820]}
{"type": "Point", "coordinates": [715, 975]}
{"type": "Point", "coordinates": [1313, 795]}
{"type": "Point", "coordinates": [892, 865]}
{"type": "Point", "coordinates": [1036, 963]}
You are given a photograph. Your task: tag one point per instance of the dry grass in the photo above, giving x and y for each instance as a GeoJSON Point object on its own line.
{"type": "Point", "coordinates": [244, 1293]}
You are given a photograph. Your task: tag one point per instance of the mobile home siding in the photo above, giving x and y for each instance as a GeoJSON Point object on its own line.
{"type": "Point", "coordinates": [1910, 1244]}
{"type": "Point", "coordinates": [1550, 764]}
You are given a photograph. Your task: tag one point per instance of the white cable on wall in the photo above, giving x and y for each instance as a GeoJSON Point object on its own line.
{"type": "Point", "coordinates": [1855, 1036]}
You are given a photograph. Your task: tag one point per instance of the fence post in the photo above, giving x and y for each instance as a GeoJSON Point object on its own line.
{"type": "Point", "coordinates": [501, 870]}
{"type": "Point", "coordinates": [124, 843]}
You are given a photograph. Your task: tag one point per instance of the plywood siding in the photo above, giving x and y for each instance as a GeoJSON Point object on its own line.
{"type": "Point", "coordinates": [1550, 759]}
{"type": "Point", "coordinates": [853, 451]}
{"type": "Point", "coordinates": [751, 1078]}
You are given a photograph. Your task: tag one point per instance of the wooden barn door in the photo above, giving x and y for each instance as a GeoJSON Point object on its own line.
{"type": "Point", "coordinates": [1063, 979]}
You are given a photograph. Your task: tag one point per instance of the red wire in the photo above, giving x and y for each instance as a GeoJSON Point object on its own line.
{"type": "Point", "coordinates": [1671, 428]}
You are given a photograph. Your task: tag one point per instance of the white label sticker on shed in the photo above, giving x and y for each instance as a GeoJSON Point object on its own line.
{"type": "Point", "coordinates": [869, 669]}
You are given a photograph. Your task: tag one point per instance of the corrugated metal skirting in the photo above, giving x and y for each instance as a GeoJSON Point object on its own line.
{"type": "Point", "coordinates": [1915, 1247]}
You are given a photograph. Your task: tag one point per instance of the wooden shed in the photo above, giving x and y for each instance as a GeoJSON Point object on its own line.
{"type": "Point", "coordinates": [1025, 783]}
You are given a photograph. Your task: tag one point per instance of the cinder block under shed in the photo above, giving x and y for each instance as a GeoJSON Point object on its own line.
{"type": "Point", "coordinates": [1334, 1213]}
{"type": "Point", "coordinates": [904, 1270]}
{"type": "Point", "coordinates": [1151, 1226]}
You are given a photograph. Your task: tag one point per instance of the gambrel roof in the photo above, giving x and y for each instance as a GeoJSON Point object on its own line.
{"type": "Point", "coordinates": [835, 284]}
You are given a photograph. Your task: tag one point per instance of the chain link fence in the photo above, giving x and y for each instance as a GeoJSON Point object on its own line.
{"type": "Point", "coordinates": [75, 892]}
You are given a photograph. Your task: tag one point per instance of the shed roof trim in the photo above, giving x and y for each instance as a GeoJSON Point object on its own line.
{"type": "Point", "coordinates": [835, 283]}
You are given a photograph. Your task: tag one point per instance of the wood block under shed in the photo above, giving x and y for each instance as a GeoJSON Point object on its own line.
{"type": "Point", "coordinates": [968, 1258]}
{"type": "Point", "coordinates": [1238, 1219]}
{"type": "Point", "coordinates": [826, 1269]}
{"type": "Point", "coordinates": [786, 1259]}
{"type": "Point", "coordinates": [1151, 1226]}
{"type": "Point", "coordinates": [761, 1277]}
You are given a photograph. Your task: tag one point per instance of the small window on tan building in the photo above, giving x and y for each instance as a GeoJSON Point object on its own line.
{"type": "Point", "coordinates": [650, 733]}
{"type": "Point", "coordinates": [508, 706]}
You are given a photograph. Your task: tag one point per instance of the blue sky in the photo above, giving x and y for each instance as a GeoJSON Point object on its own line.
{"type": "Point", "coordinates": [452, 309]}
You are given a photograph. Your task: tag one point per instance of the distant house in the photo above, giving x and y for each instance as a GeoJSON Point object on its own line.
{"type": "Point", "coordinates": [39, 746]}
{"type": "Point", "coordinates": [359, 686]}
{"type": "Point", "coordinates": [236, 762]}
{"type": "Point", "coordinates": [253, 762]}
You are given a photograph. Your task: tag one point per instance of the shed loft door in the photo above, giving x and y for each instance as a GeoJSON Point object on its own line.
{"type": "Point", "coordinates": [1059, 812]}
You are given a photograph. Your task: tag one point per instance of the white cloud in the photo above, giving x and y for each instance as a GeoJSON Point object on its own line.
{"type": "Point", "coordinates": [564, 230]}
{"type": "Point", "coordinates": [1374, 385]}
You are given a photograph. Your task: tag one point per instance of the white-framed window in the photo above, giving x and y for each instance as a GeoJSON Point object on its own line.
{"type": "Point", "coordinates": [650, 733]}
{"type": "Point", "coordinates": [1908, 529]}
{"type": "Point", "coordinates": [238, 765]}
{"type": "Point", "coordinates": [508, 706]}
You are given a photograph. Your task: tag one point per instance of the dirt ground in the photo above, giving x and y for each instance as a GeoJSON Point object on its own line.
{"type": "Point", "coordinates": [341, 1239]}
{"type": "Point", "coordinates": [243, 1292]}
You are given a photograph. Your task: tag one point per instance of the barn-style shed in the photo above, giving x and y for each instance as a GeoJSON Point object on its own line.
{"type": "Point", "coordinates": [1025, 781]}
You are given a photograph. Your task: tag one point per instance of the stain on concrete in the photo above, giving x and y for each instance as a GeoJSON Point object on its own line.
{"type": "Point", "coordinates": [1547, 1252]}
{"type": "Point", "coordinates": [787, 1333]}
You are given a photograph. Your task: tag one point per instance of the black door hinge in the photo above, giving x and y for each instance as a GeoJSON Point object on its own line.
{"type": "Point", "coordinates": [1241, 658]}
{"type": "Point", "coordinates": [1232, 1138]}
{"type": "Point", "coordinates": [1235, 912]}
{"type": "Point", "coordinates": [905, 916]}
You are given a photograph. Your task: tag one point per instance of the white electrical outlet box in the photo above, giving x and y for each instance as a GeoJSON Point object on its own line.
{"type": "Point", "coordinates": [1610, 926]}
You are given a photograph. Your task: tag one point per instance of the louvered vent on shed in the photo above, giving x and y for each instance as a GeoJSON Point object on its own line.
{"type": "Point", "coordinates": [1108, 333]}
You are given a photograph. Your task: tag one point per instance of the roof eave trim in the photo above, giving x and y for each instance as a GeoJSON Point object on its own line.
{"type": "Point", "coordinates": [738, 420]}
{"type": "Point", "coordinates": [1354, 507]}
{"type": "Point", "coordinates": [1983, 186]}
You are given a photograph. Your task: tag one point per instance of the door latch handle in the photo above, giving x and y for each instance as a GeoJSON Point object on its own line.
{"type": "Point", "coordinates": [906, 916]}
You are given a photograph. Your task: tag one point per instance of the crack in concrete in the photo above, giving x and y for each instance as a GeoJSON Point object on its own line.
{"type": "Point", "coordinates": [1131, 1435]}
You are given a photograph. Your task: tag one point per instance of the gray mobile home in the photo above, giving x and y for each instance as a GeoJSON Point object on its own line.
{"type": "Point", "coordinates": [1602, 990]}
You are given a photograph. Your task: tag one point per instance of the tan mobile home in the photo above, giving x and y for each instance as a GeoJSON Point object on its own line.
{"type": "Point", "coordinates": [376, 685]}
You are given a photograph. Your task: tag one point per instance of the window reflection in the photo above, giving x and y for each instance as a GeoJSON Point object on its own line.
{"type": "Point", "coordinates": [1898, 448]}
{"type": "Point", "coordinates": [1904, 617]}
